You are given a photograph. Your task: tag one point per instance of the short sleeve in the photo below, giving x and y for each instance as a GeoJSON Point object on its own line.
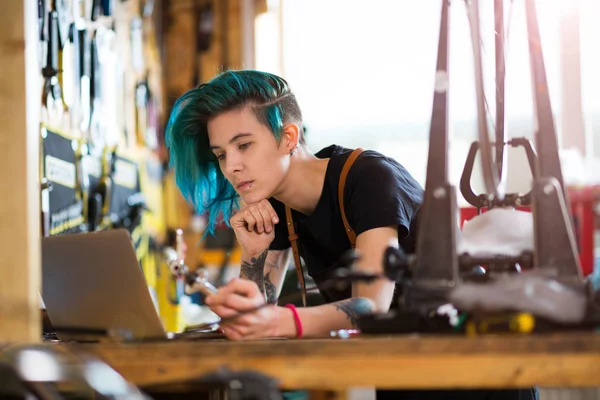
{"type": "Point", "coordinates": [281, 241]}
{"type": "Point", "coordinates": [380, 192]}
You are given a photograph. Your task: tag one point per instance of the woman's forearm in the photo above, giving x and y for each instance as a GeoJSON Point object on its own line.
{"type": "Point", "coordinates": [252, 268]}
{"type": "Point", "coordinates": [267, 269]}
{"type": "Point", "coordinates": [319, 321]}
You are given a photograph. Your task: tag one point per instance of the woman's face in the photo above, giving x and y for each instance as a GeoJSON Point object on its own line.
{"type": "Point", "coordinates": [248, 154]}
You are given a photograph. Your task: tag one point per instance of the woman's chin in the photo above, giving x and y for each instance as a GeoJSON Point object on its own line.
{"type": "Point", "coordinates": [251, 198]}
{"type": "Point", "coordinates": [254, 197]}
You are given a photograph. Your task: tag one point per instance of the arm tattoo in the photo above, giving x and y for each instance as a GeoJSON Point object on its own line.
{"type": "Point", "coordinates": [272, 264]}
{"type": "Point", "coordinates": [254, 270]}
{"type": "Point", "coordinates": [354, 307]}
{"type": "Point", "coordinates": [270, 290]}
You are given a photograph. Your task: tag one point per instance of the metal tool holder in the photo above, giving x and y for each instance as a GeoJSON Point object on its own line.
{"type": "Point", "coordinates": [195, 281]}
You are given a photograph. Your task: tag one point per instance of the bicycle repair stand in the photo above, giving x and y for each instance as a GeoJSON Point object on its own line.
{"type": "Point", "coordinates": [437, 268]}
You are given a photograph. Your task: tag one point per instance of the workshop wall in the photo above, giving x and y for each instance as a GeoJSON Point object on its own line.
{"type": "Point", "coordinates": [103, 109]}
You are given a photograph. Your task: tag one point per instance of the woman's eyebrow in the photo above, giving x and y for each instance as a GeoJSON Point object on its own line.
{"type": "Point", "coordinates": [233, 139]}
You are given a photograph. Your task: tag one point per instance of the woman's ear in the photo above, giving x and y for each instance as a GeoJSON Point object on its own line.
{"type": "Point", "coordinates": [291, 136]}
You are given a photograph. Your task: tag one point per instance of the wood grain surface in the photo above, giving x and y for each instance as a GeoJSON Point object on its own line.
{"type": "Point", "coordinates": [565, 360]}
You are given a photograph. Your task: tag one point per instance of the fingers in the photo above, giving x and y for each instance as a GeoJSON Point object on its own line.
{"type": "Point", "coordinates": [259, 217]}
{"type": "Point", "coordinates": [239, 333]}
{"type": "Point", "coordinates": [253, 212]}
{"type": "Point", "coordinates": [242, 308]}
{"type": "Point", "coordinates": [232, 333]}
{"type": "Point", "coordinates": [242, 219]}
{"type": "Point", "coordinates": [269, 215]}
{"type": "Point", "coordinates": [270, 211]}
{"type": "Point", "coordinates": [247, 326]}
{"type": "Point", "coordinates": [232, 305]}
{"type": "Point", "coordinates": [244, 320]}
{"type": "Point", "coordinates": [230, 316]}
{"type": "Point", "coordinates": [224, 312]}
{"type": "Point", "coordinates": [236, 296]}
{"type": "Point", "coordinates": [244, 287]}
{"type": "Point", "coordinates": [264, 215]}
{"type": "Point", "coordinates": [249, 219]}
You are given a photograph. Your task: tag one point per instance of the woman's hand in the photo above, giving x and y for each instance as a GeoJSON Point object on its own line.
{"type": "Point", "coordinates": [242, 297]}
{"type": "Point", "coordinates": [254, 225]}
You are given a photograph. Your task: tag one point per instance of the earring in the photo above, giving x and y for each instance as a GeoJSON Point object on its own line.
{"type": "Point", "coordinates": [293, 151]}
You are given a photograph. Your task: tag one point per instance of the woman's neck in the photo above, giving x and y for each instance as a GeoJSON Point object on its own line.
{"type": "Point", "coordinates": [303, 185]}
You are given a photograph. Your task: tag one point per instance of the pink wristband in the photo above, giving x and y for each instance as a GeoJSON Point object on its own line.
{"type": "Point", "coordinates": [296, 319]}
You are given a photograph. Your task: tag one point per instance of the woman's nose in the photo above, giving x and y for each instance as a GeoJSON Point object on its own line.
{"type": "Point", "coordinates": [233, 164]}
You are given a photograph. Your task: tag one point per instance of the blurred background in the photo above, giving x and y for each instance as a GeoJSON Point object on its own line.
{"type": "Point", "coordinates": [101, 76]}
{"type": "Point", "coordinates": [363, 73]}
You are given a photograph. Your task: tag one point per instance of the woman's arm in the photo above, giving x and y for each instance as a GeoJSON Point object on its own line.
{"type": "Point", "coordinates": [366, 298]}
{"type": "Point", "coordinates": [241, 295]}
{"type": "Point", "coordinates": [267, 270]}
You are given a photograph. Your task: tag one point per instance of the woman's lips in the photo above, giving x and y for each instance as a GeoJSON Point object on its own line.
{"type": "Point", "coordinates": [245, 185]}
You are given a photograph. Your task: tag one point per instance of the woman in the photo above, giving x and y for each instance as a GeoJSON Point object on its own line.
{"type": "Point", "coordinates": [240, 137]}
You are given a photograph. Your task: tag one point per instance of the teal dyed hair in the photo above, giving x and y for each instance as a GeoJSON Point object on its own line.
{"type": "Point", "coordinates": [197, 172]}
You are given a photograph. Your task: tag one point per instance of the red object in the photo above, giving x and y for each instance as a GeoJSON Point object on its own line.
{"type": "Point", "coordinates": [583, 200]}
{"type": "Point", "coordinates": [296, 319]}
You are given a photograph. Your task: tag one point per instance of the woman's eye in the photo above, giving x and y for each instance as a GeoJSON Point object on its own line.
{"type": "Point", "coordinates": [244, 146]}
{"type": "Point", "coordinates": [220, 157]}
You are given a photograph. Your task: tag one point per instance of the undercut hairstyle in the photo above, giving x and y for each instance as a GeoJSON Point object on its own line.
{"type": "Point", "coordinates": [197, 171]}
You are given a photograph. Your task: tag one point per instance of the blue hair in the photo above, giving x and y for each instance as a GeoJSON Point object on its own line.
{"type": "Point", "coordinates": [197, 171]}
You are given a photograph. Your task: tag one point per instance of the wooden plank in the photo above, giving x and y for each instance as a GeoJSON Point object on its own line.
{"type": "Point", "coordinates": [327, 395]}
{"type": "Point", "coordinates": [385, 362]}
{"type": "Point", "coordinates": [211, 62]}
{"type": "Point", "coordinates": [234, 34]}
{"type": "Point", "coordinates": [20, 94]}
{"type": "Point", "coordinates": [180, 49]}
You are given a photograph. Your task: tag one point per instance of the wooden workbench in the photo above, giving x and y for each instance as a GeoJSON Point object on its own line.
{"type": "Point", "coordinates": [502, 361]}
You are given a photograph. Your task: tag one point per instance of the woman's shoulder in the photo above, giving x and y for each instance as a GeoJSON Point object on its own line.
{"type": "Point", "coordinates": [371, 162]}
{"type": "Point", "coordinates": [338, 155]}
{"type": "Point", "coordinates": [372, 171]}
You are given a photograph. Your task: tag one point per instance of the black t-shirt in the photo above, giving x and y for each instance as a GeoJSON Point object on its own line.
{"type": "Point", "coordinates": [379, 192]}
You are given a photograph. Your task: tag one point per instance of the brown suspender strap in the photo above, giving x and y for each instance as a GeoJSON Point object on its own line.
{"type": "Point", "coordinates": [347, 165]}
{"type": "Point", "coordinates": [293, 236]}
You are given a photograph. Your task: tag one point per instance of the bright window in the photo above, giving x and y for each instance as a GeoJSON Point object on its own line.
{"type": "Point", "coordinates": [363, 73]}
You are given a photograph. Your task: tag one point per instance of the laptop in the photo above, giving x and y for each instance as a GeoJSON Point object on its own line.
{"type": "Point", "coordinates": [93, 286]}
